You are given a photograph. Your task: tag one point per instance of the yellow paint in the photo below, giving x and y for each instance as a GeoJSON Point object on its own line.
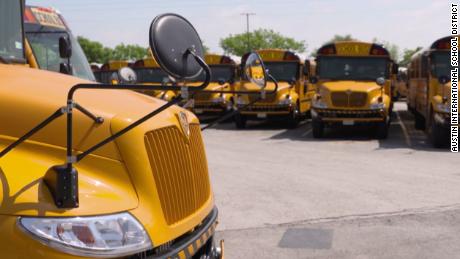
{"type": "Point", "coordinates": [353, 48]}
{"type": "Point", "coordinates": [272, 54]}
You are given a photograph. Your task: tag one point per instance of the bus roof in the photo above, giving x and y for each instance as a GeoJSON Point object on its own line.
{"type": "Point", "coordinates": [44, 16]}
{"type": "Point", "coordinates": [215, 59]}
{"type": "Point", "coordinates": [114, 65]}
{"type": "Point", "coordinates": [274, 55]}
{"type": "Point", "coordinates": [352, 48]}
{"type": "Point", "coordinates": [442, 44]}
{"type": "Point", "coordinates": [146, 62]}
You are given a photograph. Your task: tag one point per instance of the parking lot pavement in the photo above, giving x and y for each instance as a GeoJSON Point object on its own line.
{"type": "Point", "coordinates": [268, 180]}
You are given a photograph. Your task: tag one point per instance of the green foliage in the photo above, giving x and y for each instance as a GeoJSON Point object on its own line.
{"type": "Point", "coordinates": [96, 52]}
{"type": "Point", "coordinates": [237, 44]}
{"type": "Point", "coordinates": [407, 54]}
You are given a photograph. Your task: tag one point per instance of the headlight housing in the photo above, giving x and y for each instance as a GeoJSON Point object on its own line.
{"type": "Point", "coordinates": [219, 99]}
{"type": "Point", "coordinates": [241, 101]}
{"type": "Point", "coordinates": [285, 101]}
{"type": "Point", "coordinates": [377, 106]}
{"type": "Point", "coordinates": [101, 236]}
{"type": "Point", "coordinates": [443, 107]}
{"type": "Point", "coordinates": [319, 102]}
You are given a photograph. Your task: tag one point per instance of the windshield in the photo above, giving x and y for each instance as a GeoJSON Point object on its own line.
{"type": "Point", "coordinates": [11, 37]}
{"type": "Point", "coordinates": [440, 64]}
{"type": "Point", "coordinates": [45, 46]}
{"type": "Point", "coordinates": [283, 71]}
{"type": "Point", "coordinates": [352, 68]}
{"type": "Point", "coordinates": [224, 73]}
{"type": "Point", "coordinates": [150, 75]}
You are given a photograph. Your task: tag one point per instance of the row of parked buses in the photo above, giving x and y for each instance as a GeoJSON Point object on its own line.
{"type": "Point", "coordinates": [349, 83]}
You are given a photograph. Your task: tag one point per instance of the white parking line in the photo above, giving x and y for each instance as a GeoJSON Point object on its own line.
{"type": "Point", "coordinates": [404, 129]}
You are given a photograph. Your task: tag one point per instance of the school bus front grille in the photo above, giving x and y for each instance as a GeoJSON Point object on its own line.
{"type": "Point", "coordinates": [202, 96]}
{"type": "Point", "coordinates": [352, 99]}
{"type": "Point", "coordinates": [180, 170]}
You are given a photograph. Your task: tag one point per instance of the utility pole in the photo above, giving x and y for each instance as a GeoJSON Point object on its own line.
{"type": "Point", "coordinates": [247, 29]}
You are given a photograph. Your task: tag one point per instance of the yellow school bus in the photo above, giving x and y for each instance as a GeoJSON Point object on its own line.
{"type": "Point", "coordinates": [107, 74]}
{"type": "Point", "coordinates": [224, 70]}
{"type": "Point", "coordinates": [429, 90]}
{"type": "Point", "coordinates": [127, 198]}
{"type": "Point", "coordinates": [43, 27]}
{"type": "Point", "coordinates": [149, 72]}
{"type": "Point", "coordinates": [353, 86]}
{"type": "Point", "coordinates": [293, 98]}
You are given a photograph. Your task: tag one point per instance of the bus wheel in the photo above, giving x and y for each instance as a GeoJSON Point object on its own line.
{"type": "Point", "coordinates": [419, 121]}
{"type": "Point", "coordinates": [293, 119]}
{"type": "Point", "coordinates": [382, 130]}
{"type": "Point", "coordinates": [318, 128]}
{"type": "Point", "coordinates": [437, 134]}
{"type": "Point", "coordinates": [240, 120]}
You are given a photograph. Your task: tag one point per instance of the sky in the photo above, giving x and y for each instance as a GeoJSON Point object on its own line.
{"type": "Point", "coordinates": [406, 23]}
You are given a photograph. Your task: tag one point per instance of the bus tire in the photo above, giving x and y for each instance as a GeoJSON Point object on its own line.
{"type": "Point", "coordinates": [293, 118]}
{"type": "Point", "coordinates": [382, 130]}
{"type": "Point", "coordinates": [318, 128]}
{"type": "Point", "coordinates": [438, 135]}
{"type": "Point", "coordinates": [240, 120]}
{"type": "Point", "coordinates": [419, 121]}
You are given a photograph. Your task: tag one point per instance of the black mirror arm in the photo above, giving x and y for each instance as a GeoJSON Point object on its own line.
{"type": "Point", "coordinates": [206, 69]}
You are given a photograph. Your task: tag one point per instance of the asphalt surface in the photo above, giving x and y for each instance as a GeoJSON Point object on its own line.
{"type": "Point", "coordinates": [283, 194]}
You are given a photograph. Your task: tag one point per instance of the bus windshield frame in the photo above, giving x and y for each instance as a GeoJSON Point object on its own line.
{"type": "Point", "coordinates": [349, 64]}
{"type": "Point", "coordinates": [440, 64]}
{"type": "Point", "coordinates": [47, 38]}
{"type": "Point", "coordinates": [12, 32]}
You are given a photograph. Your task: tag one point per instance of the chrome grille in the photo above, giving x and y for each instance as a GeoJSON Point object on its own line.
{"type": "Point", "coordinates": [180, 170]}
{"type": "Point", "coordinates": [352, 99]}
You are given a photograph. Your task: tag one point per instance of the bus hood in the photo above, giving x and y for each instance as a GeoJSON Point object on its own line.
{"type": "Point", "coordinates": [282, 87]}
{"type": "Point", "coordinates": [28, 97]}
{"type": "Point", "coordinates": [354, 86]}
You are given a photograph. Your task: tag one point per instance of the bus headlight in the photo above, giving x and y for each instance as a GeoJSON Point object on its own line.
{"type": "Point", "coordinates": [377, 106]}
{"type": "Point", "coordinates": [285, 101]}
{"type": "Point", "coordinates": [319, 103]}
{"type": "Point", "coordinates": [219, 100]}
{"type": "Point", "coordinates": [241, 101]}
{"type": "Point", "coordinates": [442, 107]}
{"type": "Point", "coordinates": [101, 236]}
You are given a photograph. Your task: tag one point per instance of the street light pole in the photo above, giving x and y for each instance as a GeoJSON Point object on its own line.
{"type": "Point", "coordinates": [247, 29]}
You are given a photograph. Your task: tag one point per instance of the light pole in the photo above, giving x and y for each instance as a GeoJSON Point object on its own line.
{"type": "Point", "coordinates": [247, 29]}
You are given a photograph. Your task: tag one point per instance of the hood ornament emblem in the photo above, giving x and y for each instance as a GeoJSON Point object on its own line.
{"type": "Point", "coordinates": [183, 120]}
{"type": "Point", "coordinates": [348, 91]}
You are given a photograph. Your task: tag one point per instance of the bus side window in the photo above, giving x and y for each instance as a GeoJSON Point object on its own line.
{"type": "Point", "coordinates": [424, 67]}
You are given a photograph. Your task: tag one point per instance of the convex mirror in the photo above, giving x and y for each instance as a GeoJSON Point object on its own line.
{"type": "Point", "coordinates": [126, 75]}
{"type": "Point", "coordinates": [255, 71]}
{"type": "Point", "coordinates": [172, 39]}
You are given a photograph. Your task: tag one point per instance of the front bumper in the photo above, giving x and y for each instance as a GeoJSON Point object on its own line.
{"type": "Point", "coordinates": [211, 107]}
{"type": "Point", "coordinates": [359, 116]}
{"type": "Point", "coordinates": [268, 109]}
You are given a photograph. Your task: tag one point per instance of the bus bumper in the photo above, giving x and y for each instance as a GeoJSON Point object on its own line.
{"type": "Point", "coordinates": [349, 117]}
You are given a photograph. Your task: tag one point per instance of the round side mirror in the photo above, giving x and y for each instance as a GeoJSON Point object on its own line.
{"type": "Point", "coordinates": [255, 71]}
{"type": "Point", "coordinates": [126, 75]}
{"type": "Point", "coordinates": [172, 38]}
{"type": "Point", "coordinates": [443, 79]}
{"type": "Point", "coordinates": [380, 81]}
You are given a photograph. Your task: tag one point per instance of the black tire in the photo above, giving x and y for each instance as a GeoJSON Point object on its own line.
{"type": "Point", "coordinates": [318, 128]}
{"type": "Point", "coordinates": [419, 121]}
{"type": "Point", "coordinates": [438, 134]}
{"type": "Point", "coordinates": [240, 120]}
{"type": "Point", "coordinates": [293, 119]}
{"type": "Point", "coordinates": [382, 130]}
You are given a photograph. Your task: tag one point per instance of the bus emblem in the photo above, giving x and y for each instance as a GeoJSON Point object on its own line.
{"type": "Point", "coordinates": [183, 120]}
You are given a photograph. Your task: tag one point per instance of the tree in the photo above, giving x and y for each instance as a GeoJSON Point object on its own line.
{"type": "Point", "coordinates": [237, 44]}
{"type": "Point", "coordinates": [393, 49]}
{"type": "Point", "coordinates": [336, 38]}
{"type": "Point", "coordinates": [96, 52]}
{"type": "Point", "coordinates": [407, 54]}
